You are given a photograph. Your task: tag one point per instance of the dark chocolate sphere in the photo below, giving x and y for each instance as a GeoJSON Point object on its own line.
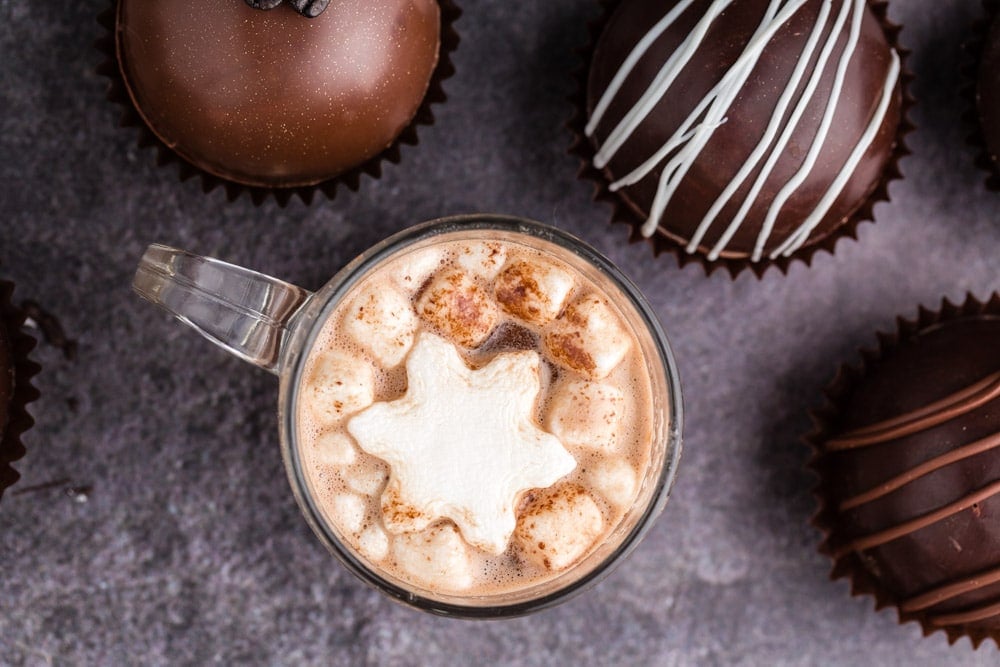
{"type": "Point", "coordinates": [16, 390]}
{"type": "Point", "coordinates": [272, 98]}
{"type": "Point", "coordinates": [988, 95]}
{"type": "Point", "coordinates": [910, 468]}
{"type": "Point", "coordinates": [6, 377]}
{"type": "Point", "coordinates": [711, 131]}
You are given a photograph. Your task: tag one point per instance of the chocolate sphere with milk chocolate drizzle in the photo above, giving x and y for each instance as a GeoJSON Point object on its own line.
{"type": "Point", "coordinates": [909, 465]}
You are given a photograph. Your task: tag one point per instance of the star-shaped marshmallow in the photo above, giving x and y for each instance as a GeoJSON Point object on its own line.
{"type": "Point", "coordinates": [461, 443]}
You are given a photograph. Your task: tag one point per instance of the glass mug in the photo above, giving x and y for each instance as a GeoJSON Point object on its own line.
{"type": "Point", "coordinates": [275, 326]}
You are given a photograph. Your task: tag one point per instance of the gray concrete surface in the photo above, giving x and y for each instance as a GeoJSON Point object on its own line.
{"type": "Point", "coordinates": [189, 548]}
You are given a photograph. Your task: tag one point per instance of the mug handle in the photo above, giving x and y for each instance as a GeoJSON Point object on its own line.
{"type": "Point", "coordinates": [242, 311]}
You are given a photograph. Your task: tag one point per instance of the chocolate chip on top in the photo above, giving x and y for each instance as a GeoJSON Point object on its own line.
{"type": "Point", "coordinates": [308, 8]}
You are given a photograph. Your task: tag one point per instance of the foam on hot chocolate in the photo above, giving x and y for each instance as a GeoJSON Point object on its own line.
{"type": "Point", "coordinates": [484, 300]}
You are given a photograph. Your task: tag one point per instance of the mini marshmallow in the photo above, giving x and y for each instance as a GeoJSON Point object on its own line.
{"type": "Point", "coordinates": [588, 338]}
{"type": "Point", "coordinates": [436, 557]}
{"type": "Point", "coordinates": [335, 448]}
{"type": "Point", "coordinates": [615, 480]}
{"type": "Point", "coordinates": [381, 320]}
{"type": "Point", "coordinates": [484, 259]}
{"type": "Point", "coordinates": [367, 480]}
{"type": "Point", "coordinates": [349, 510]}
{"type": "Point", "coordinates": [559, 526]}
{"type": "Point", "coordinates": [339, 385]}
{"type": "Point", "coordinates": [533, 291]}
{"type": "Point", "coordinates": [373, 543]}
{"type": "Point", "coordinates": [459, 308]}
{"type": "Point", "coordinates": [587, 414]}
{"type": "Point", "coordinates": [413, 270]}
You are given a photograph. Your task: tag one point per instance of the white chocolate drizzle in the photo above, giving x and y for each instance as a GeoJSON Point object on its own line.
{"type": "Point", "coordinates": [688, 141]}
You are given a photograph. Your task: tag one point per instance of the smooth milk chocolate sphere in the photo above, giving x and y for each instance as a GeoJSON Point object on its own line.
{"type": "Point", "coordinates": [746, 129]}
{"type": "Point", "coordinates": [273, 98]}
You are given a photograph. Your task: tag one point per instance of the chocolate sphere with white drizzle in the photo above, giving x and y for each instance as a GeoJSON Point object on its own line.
{"type": "Point", "coordinates": [744, 128]}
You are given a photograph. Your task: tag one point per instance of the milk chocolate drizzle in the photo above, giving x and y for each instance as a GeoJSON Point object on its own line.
{"type": "Point", "coordinates": [951, 407]}
{"type": "Point", "coordinates": [929, 416]}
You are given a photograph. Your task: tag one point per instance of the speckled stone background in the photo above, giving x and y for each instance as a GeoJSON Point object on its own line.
{"type": "Point", "coordinates": [189, 548]}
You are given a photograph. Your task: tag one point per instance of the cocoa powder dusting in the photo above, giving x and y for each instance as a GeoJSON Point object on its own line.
{"type": "Point", "coordinates": [519, 292]}
{"type": "Point", "coordinates": [569, 349]}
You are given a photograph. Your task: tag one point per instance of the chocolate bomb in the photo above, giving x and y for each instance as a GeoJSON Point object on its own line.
{"type": "Point", "coordinates": [748, 131]}
{"type": "Point", "coordinates": [910, 475]}
{"type": "Point", "coordinates": [6, 377]}
{"type": "Point", "coordinates": [988, 95]}
{"type": "Point", "coordinates": [272, 98]}
{"type": "Point", "coordinates": [16, 390]}
{"type": "Point", "coordinates": [10, 450]}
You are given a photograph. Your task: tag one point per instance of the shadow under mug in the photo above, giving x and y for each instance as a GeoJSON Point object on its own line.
{"type": "Point", "coordinates": [274, 325]}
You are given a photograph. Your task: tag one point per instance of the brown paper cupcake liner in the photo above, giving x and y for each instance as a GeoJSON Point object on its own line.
{"type": "Point", "coordinates": [18, 419]}
{"type": "Point", "coordinates": [351, 179]}
{"type": "Point", "coordinates": [664, 243]}
{"type": "Point", "coordinates": [847, 563]}
{"type": "Point", "coordinates": [970, 73]}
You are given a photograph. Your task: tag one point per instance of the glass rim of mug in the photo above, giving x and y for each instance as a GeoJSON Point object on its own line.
{"type": "Point", "coordinates": [331, 295]}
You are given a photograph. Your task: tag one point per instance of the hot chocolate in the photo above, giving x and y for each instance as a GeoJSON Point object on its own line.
{"type": "Point", "coordinates": [479, 417]}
